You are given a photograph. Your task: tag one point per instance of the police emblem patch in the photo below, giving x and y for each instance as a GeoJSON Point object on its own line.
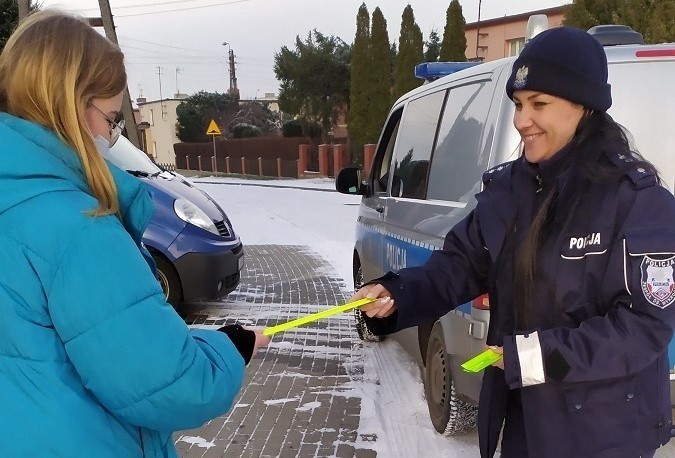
{"type": "Point", "coordinates": [521, 77]}
{"type": "Point", "coordinates": [658, 281]}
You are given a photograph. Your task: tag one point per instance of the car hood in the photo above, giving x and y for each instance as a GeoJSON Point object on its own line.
{"type": "Point", "coordinates": [176, 187]}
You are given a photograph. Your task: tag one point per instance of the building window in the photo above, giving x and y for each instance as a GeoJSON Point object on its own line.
{"type": "Point", "coordinates": [515, 46]}
{"type": "Point", "coordinates": [152, 117]}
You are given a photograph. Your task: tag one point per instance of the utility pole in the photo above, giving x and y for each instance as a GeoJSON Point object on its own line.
{"type": "Point", "coordinates": [24, 9]}
{"type": "Point", "coordinates": [161, 98]}
{"type": "Point", "coordinates": [127, 109]}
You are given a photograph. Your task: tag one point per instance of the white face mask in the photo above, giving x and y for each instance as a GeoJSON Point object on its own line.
{"type": "Point", "coordinates": [103, 146]}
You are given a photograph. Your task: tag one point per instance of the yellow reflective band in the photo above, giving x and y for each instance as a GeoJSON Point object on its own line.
{"type": "Point", "coordinates": [481, 361]}
{"type": "Point", "coordinates": [317, 316]}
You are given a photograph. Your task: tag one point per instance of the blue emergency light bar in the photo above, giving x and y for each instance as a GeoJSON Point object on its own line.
{"type": "Point", "coordinates": [431, 71]}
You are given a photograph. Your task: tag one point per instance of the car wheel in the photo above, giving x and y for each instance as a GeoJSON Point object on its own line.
{"type": "Point", "coordinates": [362, 329]}
{"type": "Point", "coordinates": [449, 414]}
{"type": "Point", "coordinates": [169, 281]}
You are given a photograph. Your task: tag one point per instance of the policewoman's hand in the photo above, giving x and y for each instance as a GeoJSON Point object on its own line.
{"type": "Point", "coordinates": [500, 362]}
{"type": "Point", "coordinates": [380, 308]}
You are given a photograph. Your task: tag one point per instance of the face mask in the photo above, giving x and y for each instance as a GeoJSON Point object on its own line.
{"type": "Point", "coordinates": [103, 146]}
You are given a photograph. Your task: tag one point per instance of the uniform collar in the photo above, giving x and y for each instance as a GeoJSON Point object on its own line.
{"type": "Point", "coordinates": [547, 172]}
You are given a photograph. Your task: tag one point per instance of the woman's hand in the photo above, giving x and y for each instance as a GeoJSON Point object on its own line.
{"type": "Point", "coordinates": [379, 309]}
{"type": "Point", "coordinates": [260, 341]}
{"type": "Point", "coordinates": [500, 362]}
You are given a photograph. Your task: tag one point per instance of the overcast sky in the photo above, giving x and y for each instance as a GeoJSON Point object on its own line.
{"type": "Point", "coordinates": [188, 34]}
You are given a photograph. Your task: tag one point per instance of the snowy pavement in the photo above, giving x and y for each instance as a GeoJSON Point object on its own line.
{"type": "Point", "coordinates": [316, 391]}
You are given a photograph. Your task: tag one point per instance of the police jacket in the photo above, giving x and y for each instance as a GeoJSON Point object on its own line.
{"type": "Point", "coordinates": [593, 369]}
{"type": "Point", "coordinates": [93, 361]}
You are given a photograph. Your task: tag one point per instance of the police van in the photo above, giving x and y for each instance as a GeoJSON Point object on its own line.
{"type": "Point", "coordinates": [436, 144]}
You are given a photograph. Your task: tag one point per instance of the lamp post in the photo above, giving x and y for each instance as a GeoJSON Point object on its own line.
{"type": "Point", "coordinates": [478, 29]}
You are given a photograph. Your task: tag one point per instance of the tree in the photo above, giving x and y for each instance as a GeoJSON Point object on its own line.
{"type": "Point", "coordinates": [453, 47]}
{"type": "Point", "coordinates": [660, 22]}
{"type": "Point", "coordinates": [585, 14]}
{"type": "Point", "coordinates": [359, 88]}
{"type": "Point", "coordinates": [433, 45]}
{"type": "Point", "coordinates": [314, 78]}
{"type": "Point", "coordinates": [9, 18]}
{"type": "Point", "coordinates": [195, 113]}
{"type": "Point", "coordinates": [410, 53]}
{"type": "Point", "coordinates": [380, 77]}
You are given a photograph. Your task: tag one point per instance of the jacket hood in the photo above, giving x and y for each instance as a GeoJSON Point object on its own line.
{"type": "Point", "coordinates": [35, 161]}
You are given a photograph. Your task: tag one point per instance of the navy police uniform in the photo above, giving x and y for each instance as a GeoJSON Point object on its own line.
{"type": "Point", "coordinates": [591, 377]}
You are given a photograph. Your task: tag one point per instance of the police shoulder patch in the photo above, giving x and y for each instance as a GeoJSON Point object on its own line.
{"type": "Point", "coordinates": [657, 281]}
{"type": "Point", "coordinates": [496, 171]}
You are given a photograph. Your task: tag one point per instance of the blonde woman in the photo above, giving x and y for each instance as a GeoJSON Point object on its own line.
{"type": "Point", "coordinates": [93, 361]}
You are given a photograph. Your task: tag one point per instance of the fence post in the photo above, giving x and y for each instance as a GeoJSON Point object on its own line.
{"type": "Point", "coordinates": [279, 167]}
{"type": "Point", "coordinates": [260, 166]}
{"type": "Point", "coordinates": [368, 156]}
{"type": "Point", "coordinates": [213, 164]}
{"type": "Point", "coordinates": [302, 159]}
{"type": "Point", "coordinates": [338, 158]}
{"type": "Point", "coordinates": [323, 160]}
{"type": "Point", "coordinates": [227, 164]}
{"type": "Point", "coordinates": [243, 166]}
{"type": "Point", "coordinates": [187, 161]}
{"type": "Point", "coordinates": [199, 162]}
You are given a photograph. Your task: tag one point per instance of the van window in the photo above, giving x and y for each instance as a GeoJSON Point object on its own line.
{"type": "Point", "coordinates": [384, 153]}
{"type": "Point", "coordinates": [457, 163]}
{"type": "Point", "coordinates": [413, 147]}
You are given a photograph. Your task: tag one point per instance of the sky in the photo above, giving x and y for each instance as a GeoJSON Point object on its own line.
{"type": "Point", "coordinates": [184, 37]}
{"type": "Point", "coordinates": [391, 393]}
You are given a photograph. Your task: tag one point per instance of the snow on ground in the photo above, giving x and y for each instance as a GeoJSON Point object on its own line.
{"type": "Point", "coordinates": [392, 395]}
{"type": "Point", "coordinates": [310, 213]}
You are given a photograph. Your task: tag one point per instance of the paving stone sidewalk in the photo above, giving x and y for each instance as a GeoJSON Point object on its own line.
{"type": "Point", "coordinates": [298, 398]}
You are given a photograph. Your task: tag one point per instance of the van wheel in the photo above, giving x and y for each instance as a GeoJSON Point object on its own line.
{"type": "Point", "coordinates": [362, 330]}
{"type": "Point", "coordinates": [449, 414]}
{"type": "Point", "coordinates": [169, 281]}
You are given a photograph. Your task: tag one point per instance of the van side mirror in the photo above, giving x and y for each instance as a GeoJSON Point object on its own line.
{"type": "Point", "coordinates": [348, 181]}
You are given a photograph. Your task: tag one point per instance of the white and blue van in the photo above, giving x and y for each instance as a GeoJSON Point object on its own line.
{"type": "Point", "coordinates": [437, 142]}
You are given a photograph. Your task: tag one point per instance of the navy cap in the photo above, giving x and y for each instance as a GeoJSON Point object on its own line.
{"type": "Point", "coordinates": [565, 62]}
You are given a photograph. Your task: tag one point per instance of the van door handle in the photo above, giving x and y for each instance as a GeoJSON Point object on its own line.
{"type": "Point", "coordinates": [379, 209]}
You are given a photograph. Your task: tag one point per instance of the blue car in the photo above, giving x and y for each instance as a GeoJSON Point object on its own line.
{"type": "Point", "coordinates": [198, 254]}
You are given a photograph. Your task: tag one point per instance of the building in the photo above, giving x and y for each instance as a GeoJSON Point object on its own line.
{"type": "Point", "coordinates": [159, 118]}
{"type": "Point", "coordinates": [493, 39]}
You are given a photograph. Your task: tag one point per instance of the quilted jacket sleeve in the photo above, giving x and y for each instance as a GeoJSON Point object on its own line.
{"type": "Point", "coordinates": [131, 349]}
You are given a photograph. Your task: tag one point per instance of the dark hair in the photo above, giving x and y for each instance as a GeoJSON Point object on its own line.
{"type": "Point", "coordinates": [597, 137]}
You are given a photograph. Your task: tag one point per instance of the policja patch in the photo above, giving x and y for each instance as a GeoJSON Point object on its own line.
{"type": "Point", "coordinates": [658, 284]}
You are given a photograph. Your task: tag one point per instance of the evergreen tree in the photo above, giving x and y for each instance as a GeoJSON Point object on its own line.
{"type": "Point", "coordinates": [410, 53]}
{"type": "Point", "coordinates": [660, 26]}
{"type": "Point", "coordinates": [380, 77]}
{"type": "Point", "coordinates": [433, 45]}
{"type": "Point", "coordinates": [360, 88]}
{"type": "Point", "coordinates": [9, 18]}
{"type": "Point", "coordinates": [585, 14]}
{"type": "Point", "coordinates": [453, 47]}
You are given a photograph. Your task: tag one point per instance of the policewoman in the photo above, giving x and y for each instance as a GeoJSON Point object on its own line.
{"type": "Point", "coordinates": [575, 244]}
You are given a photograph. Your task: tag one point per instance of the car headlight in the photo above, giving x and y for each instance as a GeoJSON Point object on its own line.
{"type": "Point", "coordinates": [190, 213]}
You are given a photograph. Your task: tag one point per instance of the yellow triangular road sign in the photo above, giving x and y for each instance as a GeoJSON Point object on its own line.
{"type": "Point", "coordinates": [213, 128]}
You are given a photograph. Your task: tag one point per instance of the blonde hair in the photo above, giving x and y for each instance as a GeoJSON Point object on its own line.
{"type": "Point", "coordinates": [52, 66]}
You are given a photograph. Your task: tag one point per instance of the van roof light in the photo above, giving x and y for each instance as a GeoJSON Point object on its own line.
{"type": "Point", "coordinates": [611, 35]}
{"type": "Point", "coordinates": [431, 71]}
{"type": "Point", "coordinates": [536, 24]}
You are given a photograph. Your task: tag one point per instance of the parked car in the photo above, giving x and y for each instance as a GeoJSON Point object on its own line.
{"type": "Point", "coordinates": [436, 144]}
{"type": "Point", "coordinates": [197, 252]}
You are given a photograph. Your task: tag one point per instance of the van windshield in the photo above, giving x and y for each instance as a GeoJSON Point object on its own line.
{"type": "Point", "coordinates": [127, 157]}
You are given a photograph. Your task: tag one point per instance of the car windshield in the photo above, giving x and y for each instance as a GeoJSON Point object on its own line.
{"type": "Point", "coordinates": [127, 157]}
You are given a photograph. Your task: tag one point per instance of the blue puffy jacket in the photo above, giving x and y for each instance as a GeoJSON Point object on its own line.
{"type": "Point", "coordinates": [93, 361]}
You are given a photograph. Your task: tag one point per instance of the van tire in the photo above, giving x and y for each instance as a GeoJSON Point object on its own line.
{"type": "Point", "coordinates": [169, 281]}
{"type": "Point", "coordinates": [365, 334]}
{"type": "Point", "coordinates": [449, 414]}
